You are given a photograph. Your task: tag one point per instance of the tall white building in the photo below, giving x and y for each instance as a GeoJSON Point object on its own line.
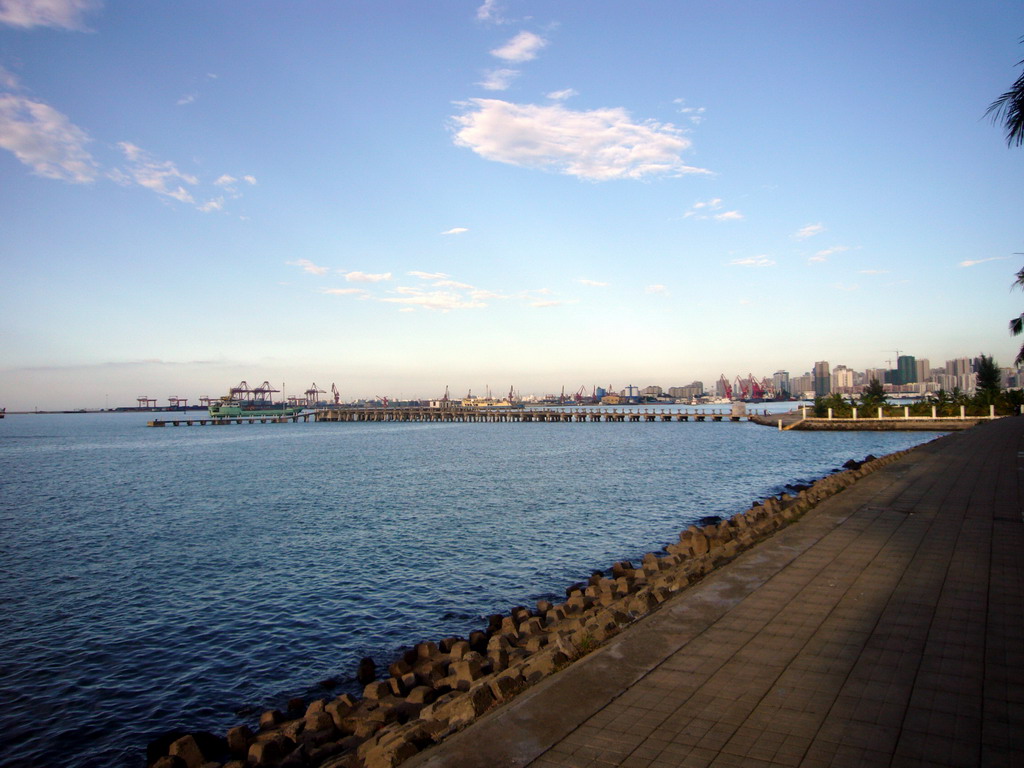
{"type": "Point", "coordinates": [842, 378]}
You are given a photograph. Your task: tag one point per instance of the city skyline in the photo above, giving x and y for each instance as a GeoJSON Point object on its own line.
{"type": "Point", "coordinates": [399, 198]}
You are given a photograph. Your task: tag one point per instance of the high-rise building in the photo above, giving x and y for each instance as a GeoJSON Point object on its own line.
{"type": "Point", "coordinates": [780, 381]}
{"type": "Point", "coordinates": [822, 378]}
{"type": "Point", "coordinates": [924, 370]}
{"type": "Point", "coordinates": [906, 369]}
{"type": "Point", "coordinates": [842, 378]}
{"type": "Point", "coordinates": [874, 374]}
{"type": "Point", "coordinates": [959, 367]}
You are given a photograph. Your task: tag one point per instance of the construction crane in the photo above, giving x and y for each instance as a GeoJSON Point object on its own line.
{"type": "Point", "coordinates": [335, 393]}
{"type": "Point", "coordinates": [241, 392]}
{"type": "Point", "coordinates": [725, 386]}
{"type": "Point", "coordinates": [313, 394]}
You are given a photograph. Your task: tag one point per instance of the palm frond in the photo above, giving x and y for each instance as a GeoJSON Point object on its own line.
{"type": "Point", "coordinates": [1017, 325]}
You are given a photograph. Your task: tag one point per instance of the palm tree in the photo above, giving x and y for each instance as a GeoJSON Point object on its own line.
{"type": "Point", "coordinates": [1017, 324]}
{"type": "Point", "coordinates": [1009, 110]}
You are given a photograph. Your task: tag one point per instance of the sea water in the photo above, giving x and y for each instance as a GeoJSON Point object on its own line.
{"type": "Point", "coordinates": [188, 578]}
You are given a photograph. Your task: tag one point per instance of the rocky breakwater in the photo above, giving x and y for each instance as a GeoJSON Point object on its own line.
{"type": "Point", "coordinates": [437, 688]}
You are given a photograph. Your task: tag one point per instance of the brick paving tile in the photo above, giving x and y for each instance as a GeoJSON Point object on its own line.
{"type": "Point", "coordinates": [885, 628]}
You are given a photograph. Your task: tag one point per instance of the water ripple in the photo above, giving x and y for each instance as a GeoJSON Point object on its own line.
{"type": "Point", "coordinates": [185, 578]}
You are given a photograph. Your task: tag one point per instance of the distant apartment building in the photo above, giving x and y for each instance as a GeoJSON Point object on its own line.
{"type": "Point", "coordinates": [924, 371]}
{"type": "Point", "coordinates": [652, 391]}
{"type": "Point", "coordinates": [842, 380]}
{"type": "Point", "coordinates": [959, 367]}
{"type": "Point", "coordinates": [875, 374]}
{"type": "Point", "coordinates": [802, 386]}
{"type": "Point", "coordinates": [822, 378]}
{"type": "Point", "coordinates": [690, 391]}
{"type": "Point", "coordinates": [780, 381]}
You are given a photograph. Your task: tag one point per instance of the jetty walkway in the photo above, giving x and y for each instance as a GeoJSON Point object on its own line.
{"type": "Point", "coordinates": [564, 415]}
{"type": "Point", "coordinates": [884, 628]}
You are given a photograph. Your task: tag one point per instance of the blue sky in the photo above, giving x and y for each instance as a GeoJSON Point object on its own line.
{"type": "Point", "coordinates": [400, 196]}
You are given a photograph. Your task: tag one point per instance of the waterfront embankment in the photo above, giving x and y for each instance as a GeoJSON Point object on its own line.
{"type": "Point", "coordinates": [438, 688]}
{"type": "Point", "coordinates": [799, 420]}
{"type": "Point", "coordinates": [886, 627]}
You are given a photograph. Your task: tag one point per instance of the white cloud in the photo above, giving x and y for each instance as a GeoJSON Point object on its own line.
{"type": "Point", "coordinates": [548, 303]}
{"type": "Point", "coordinates": [809, 230]}
{"type": "Point", "coordinates": [563, 95]}
{"type": "Point", "coordinates": [489, 12]}
{"type": "Point", "coordinates": [846, 286]}
{"type": "Point", "coordinates": [498, 79]}
{"type": "Point", "coordinates": [226, 181]}
{"type": "Point", "coordinates": [592, 283]}
{"type": "Point", "coordinates": [187, 99]}
{"type": "Point", "coordinates": [455, 231]}
{"type": "Point", "coordinates": [216, 204]}
{"type": "Point", "coordinates": [442, 301]}
{"type": "Point", "coordinates": [728, 216]}
{"type": "Point", "coordinates": [714, 204]}
{"type": "Point", "coordinates": [522, 47]}
{"type": "Point", "coordinates": [160, 176]}
{"type": "Point", "coordinates": [597, 145]}
{"type": "Point", "coordinates": [694, 114]}
{"type": "Point", "coordinates": [975, 262]}
{"type": "Point", "coordinates": [309, 266]}
{"type": "Point", "coordinates": [249, 180]}
{"type": "Point", "coordinates": [345, 291]}
{"type": "Point", "coordinates": [874, 271]}
{"type": "Point", "coordinates": [428, 275]}
{"type": "Point", "coordinates": [656, 289]}
{"type": "Point", "coordinates": [826, 252]}
{"type": "Point", "coordinates": [364, 277]}
{"type": "Point", "coordinates": [753, 261]}
{"type": "Point", "coordinates": [9, 80]}
{"type": "Point", "coordinates": [45, 140]}
{"type": "Point", "coordinates": [63, 14]}
{"type": "Point", "coordinates": [453, 284]}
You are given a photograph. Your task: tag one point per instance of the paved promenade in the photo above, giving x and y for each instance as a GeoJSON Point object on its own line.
{"type": "Point", "coordinates": [884, 628]}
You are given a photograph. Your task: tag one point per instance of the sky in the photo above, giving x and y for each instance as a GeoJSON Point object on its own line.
{"type": "Point", "coordinates": [395, 197]}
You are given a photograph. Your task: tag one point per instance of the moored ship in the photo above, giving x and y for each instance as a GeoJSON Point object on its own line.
{"type": "Point", "coordinates": [252, 402]}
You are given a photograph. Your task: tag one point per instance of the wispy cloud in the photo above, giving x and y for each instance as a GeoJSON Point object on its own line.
{"type": "Point", "coordinates": [443, 301]}
{"type": "Point", "coordinates": [455, 231]}
{"type": "Point", "coordinates": [706, 209]}
{"type": "Point", "coordinates": [159, 176]}
{"type": "Point", "coordinates": [522, 47]}
{"type": "Point", "coordinates": [187, 99]}
{"type": "Point", "coordinates": [596, 145]}
{"type": "Point", "coordinates": [367, 277]}
{"type": "Point", "coordinates": [428, 275]}
{"type": "Point", "coordinates": [728, 216]}
{"type": "Point", "coordinates": [591, 283]}
{"type": "Point", "coordinates": [345, 291]}
{"type": "Point", "coordinates": [657, 289]}
{"type": "Point", "coordinates": [568, 93]}
{"type": "Point", "coordinates": [62, 14]}
{"type": "Point", "coordinates": [809, 230]}
{"type": "Point", "coordinates": [753, 261]}
{"type": "Point", "coordinates": [498, 79]}
{"type": "Point", "coordinates": [45, 139]}
{"type": "Point", "coordinates": [489, 12]}
{"type": "Point", "coordinates": [849, 287]}
{"type": "Point", "coordinates": [975, 262]}
{"type": "Point", "coordinates": [309, 266]}
{"type": "Point", "coordinates": [694, 114]}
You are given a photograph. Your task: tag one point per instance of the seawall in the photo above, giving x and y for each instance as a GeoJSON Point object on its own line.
{"type": "Point", "coordinates": [437, 688]}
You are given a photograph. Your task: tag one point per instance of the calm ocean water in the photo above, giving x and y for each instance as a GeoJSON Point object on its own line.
{"type": "Point", "coordinates": [153, 579]}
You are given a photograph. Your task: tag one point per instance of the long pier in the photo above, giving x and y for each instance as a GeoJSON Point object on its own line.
{"type": "Point", "coordinates": [563, 415]}
{"type": "Point", "coordinates": [230, 420]}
